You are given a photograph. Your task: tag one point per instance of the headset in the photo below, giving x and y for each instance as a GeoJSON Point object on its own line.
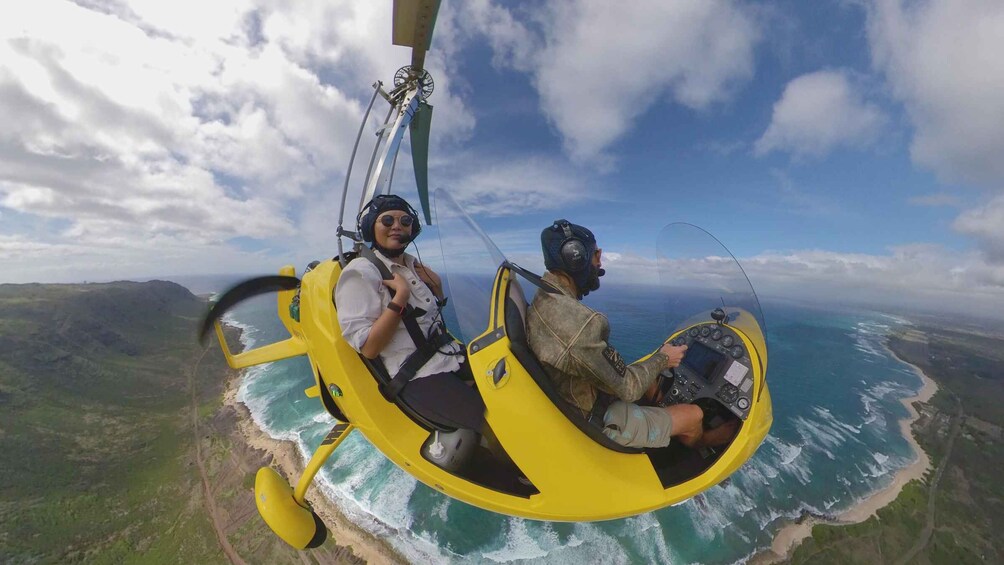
{"type": "Point", "coordinates": [574, 252]}
{"type": "Point", "coordinates": [366, 219]}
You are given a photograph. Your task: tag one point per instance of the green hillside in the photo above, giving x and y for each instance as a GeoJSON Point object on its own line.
{"type": "Point", "coordinates": [103, 388]}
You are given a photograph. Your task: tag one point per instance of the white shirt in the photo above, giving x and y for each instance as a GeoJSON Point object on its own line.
{"type": "Point", "coordinates": [361, 298]}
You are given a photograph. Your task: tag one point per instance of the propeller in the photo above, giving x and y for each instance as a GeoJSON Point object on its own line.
{"type": "Point", "coordinates": [413, 23]}
{"type": "Point", "coordinates": [241, 292]}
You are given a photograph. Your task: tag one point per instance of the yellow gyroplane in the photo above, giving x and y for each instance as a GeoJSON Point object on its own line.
{"type": "Point", "coordinates": [557, 466]}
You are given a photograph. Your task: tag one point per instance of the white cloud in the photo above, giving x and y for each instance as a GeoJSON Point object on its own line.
{"type": "Point", "coordinates": [986, 224]}
{"type": "Point", "coordinates": [917, 276]}
{"type": "Point", "coordinates": [493, 186]}
{"type": "Point", "coordinates": [141, 128]}
{"type": "Point", "coordinates": [936, 200]}
{"type": "Point", "coordinates": [817, 113]}
{"type": "Point", "coordinates": [942, 60]}
{"type": "Point", "coordinates": [598, 66]}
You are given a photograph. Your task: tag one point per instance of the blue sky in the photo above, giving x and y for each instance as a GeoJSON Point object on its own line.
{"type": "Point", "coordinates": [841, 149]}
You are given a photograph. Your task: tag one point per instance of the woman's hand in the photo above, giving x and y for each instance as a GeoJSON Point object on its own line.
{"type": "Point", "coordinates": [400, 288]}
{"type": "Point", "coordinates": [430, 278]}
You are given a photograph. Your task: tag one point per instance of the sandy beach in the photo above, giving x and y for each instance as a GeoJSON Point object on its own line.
{"type": "Point", "coordinates": [287, 460]}
{"type": "Point", "coordinates": [788, 538]}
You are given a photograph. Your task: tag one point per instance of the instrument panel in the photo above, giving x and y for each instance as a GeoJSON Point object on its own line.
{"type": "Point", "coordinates": [716, 366]}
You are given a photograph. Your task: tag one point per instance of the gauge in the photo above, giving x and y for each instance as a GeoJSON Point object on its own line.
{"type": "Point", "coordinates": [693, 332]}
{"type": "Point", "coordinates": [743, 403]}
{"type": "Point", "coordinates": [737, 352]}
{"type": "Point", "coordinates": [716, 335]}
{"type": "Point", "coordinates": [727, 341]}
{"type": "Point", "coordinates": [705, 331]}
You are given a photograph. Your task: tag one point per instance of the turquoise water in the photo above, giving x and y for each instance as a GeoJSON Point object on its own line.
{"type": "Point", "coordinates": [835, 440]}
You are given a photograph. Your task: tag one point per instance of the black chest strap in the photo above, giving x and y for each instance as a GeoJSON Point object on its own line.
{"type": "Point", "coordinates": [425, 348]}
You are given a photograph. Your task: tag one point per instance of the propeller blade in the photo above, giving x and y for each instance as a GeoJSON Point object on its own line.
{"type": "Point", "coordinates": [420, 126]}
{"type": "Point", "coordinates": [413, 24]}
{"type": "Point", "coordinates": [240, 293]}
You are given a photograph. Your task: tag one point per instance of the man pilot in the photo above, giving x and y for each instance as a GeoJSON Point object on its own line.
{"type": "Point", "coordinates": [570, 340]}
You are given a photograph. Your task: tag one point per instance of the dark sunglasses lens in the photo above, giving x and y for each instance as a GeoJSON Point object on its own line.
{"type": "Point", "coordinates": [388, 221]}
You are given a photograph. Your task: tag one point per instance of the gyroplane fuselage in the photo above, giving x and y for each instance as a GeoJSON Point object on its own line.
{"type": "Point", "coordinates": [555, 464]}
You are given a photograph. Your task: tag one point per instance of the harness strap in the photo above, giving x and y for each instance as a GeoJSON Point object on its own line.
{"type": "Point", "coordinates": [425, 348]}
{"type": "Point", "coordinates": [534, 279]}
{"type": "Point", "coordinates": [410, 312]}
{"type": "Point", "coordinates": [412, 364]}
{"type": "Point", "coordinates": [600, 407]}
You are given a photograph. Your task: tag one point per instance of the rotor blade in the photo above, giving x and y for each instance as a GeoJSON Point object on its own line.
{"type": "Point", "coordinates": [240, 293]}
{"type": "Point", "coordinates": [420, 126]}
{"type": "Point", "coordinates": [413, 24]}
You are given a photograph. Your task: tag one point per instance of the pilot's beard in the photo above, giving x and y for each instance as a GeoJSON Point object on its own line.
{"type": "Point", "coordinates": [593, 282]}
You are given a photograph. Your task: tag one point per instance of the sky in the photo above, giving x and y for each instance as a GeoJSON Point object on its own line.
{"type": "Point", "coordinates": [841, 150]}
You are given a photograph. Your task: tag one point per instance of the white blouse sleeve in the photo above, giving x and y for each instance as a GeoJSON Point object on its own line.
{"type": "Point", "coordinates": [358, 298]}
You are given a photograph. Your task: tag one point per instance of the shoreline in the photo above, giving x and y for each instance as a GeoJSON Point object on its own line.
{"type": "Point", "coordinates": [287, 460]}
{"type": "Point", "coordinates": [788, 538]}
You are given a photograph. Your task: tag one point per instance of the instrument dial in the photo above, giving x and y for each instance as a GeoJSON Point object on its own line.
{"type": "Point", "coordinates": [737, 351]}
{"type": "Point", "coordinates": [727, 341]}
{"type": "Point", "coordinates": [693, 332]}
{"type": "Point", "coordinates": [705, 331]}
{"type": "Point", "coordinates": [743, 403]}
{"type": "Point", "coordinates": [716, 335]}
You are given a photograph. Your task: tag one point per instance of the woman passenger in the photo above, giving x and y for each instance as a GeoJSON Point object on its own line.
{"type": "Point", "coordinates": [370, 316]}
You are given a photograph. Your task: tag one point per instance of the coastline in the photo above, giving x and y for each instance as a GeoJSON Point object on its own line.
{"type": "Point", "coordinates": [287, 460]}
{"type": "Point", "coordinates": [787, 539]}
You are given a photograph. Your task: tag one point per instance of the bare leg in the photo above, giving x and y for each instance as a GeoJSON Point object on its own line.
{"type": "Point", "coordinates": [688, 427]}
{"type": "Point", "coordinates": [721, 435]}
{"type": "Point", "coordinates": [687, 420]}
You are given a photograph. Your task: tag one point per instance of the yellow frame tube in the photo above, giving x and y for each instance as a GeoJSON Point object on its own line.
{"type": "Point", "coordinates": [331, 442]}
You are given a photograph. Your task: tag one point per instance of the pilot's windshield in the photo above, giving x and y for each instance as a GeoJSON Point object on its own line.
{"type": "Point", "coordinates": [698, 274]}
{"type": "Point", "coordinates": [472, 261]}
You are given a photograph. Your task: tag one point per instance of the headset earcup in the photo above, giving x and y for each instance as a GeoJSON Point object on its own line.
{"type": "Point", "coordinates": [366, 226]}
{"type": "Point", "coordinates": [416, 226]}
{"type": "Point", "coordinates": [573, 255]}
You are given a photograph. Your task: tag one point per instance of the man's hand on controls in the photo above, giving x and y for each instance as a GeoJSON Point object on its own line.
{"type": "Point", "coordinates": [674, 354]}
{"type": "Point", "coordinates": [400, 287]}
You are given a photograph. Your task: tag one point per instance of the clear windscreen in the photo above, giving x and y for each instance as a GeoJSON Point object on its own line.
{"type": "Point", "coordinates": [472, 261]}
{"type": "Point", "coordinates": [698, 274]}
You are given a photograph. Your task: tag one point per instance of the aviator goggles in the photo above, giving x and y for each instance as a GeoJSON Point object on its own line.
{"type": "Point", "coordinates": [388, 220]}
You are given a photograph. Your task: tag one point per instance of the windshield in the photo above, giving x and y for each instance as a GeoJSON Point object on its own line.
{"type": "Point", "coordinates": [698, 274]}
{"type": "Point", "coordinates": [472, 261]}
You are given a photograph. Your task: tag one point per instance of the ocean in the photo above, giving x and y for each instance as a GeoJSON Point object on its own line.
{"type": "Point", "coordinates": [835, 440]}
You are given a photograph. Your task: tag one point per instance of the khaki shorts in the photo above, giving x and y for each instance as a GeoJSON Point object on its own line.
{"type": "Point", "coordinates": [637, 426]}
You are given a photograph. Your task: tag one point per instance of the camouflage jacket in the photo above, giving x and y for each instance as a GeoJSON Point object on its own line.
{"type": "Point", "coordinates": [570, 340]}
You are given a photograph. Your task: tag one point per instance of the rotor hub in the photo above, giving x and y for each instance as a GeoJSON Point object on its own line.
{"type": "Point", "coordinates": [405, 75]}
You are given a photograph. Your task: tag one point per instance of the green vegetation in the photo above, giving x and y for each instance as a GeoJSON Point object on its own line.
{"type": "Point", "coordinates": [98, 385]}
{"type": "Point", "coordinates": [961, 430]}
{"type": "Point", "coordinates": [94, 387]}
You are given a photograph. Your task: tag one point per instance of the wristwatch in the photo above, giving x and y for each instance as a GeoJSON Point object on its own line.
{"type": "Point", "coordinates": [393, 307]}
